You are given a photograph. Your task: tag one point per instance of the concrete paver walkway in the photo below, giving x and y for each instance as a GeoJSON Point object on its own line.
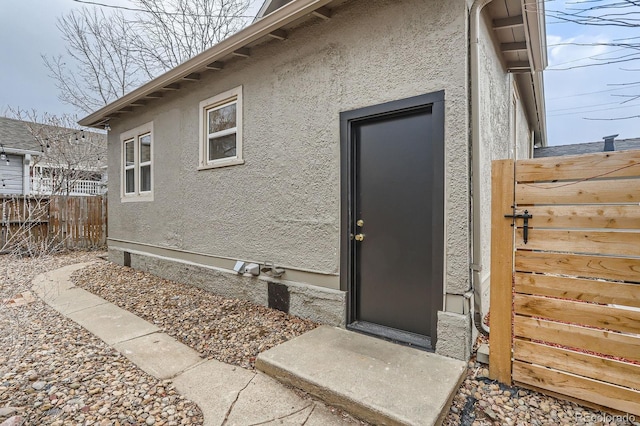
{"type": "Point", "coordinates": [227, 395]}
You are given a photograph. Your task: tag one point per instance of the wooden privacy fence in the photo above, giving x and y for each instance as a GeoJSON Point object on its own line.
{"type": "Point", "coordinates": [565, 300]}
{"type": "Point", "coordinates": [71, 222]}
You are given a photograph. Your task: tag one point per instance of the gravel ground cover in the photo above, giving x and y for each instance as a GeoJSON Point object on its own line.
{"type": "Point", "coordinates": [53, 372]}
{"type": "Point", "coordinates": [228, 330]}
{"type": "Point", "coordinates": [481, 401]}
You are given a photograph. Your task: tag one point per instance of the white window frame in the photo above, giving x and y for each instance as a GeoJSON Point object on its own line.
{"type": "Point", "coordinates": [142, 164]}
{"type": "Point", "coordinates": [134, 135]}
{"type": "Point", "coordinates": [219, 101]}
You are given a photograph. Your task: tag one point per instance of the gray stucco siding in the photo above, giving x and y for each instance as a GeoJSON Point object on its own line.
{"type": "Point", "coordinates": [524, 147]}
{"type": "Point", "coordinates": [283, 204]}
{"type": "Point", "coordinates": [505, 133]}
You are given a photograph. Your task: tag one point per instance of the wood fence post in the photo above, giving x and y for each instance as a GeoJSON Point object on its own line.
{"type": "Point", "coordinates": [500, 338]}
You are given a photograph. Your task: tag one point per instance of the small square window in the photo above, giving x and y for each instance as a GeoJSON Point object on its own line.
{"type": "Point", "coordinates": [221, 130]}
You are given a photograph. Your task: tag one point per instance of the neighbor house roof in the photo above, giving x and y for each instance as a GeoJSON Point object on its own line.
{"type": "Point", "coordinates": [520, 30]}
{"type": "Point", "coordinates": [25, 137]}
{"type": "Point", "coordinates": [15, 135]}
{"type": "Point", "coordinates": [585, 148]}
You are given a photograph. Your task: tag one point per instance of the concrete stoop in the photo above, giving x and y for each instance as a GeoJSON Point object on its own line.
{"type": "Point", "coordinates": [375, 380]}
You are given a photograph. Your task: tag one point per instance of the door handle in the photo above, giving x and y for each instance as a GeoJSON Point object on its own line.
{"type": "Point", "coordinates": [359, 237]}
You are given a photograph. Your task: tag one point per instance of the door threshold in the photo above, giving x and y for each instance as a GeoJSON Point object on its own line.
{"type": "Point", "coordinates": [392, 334]}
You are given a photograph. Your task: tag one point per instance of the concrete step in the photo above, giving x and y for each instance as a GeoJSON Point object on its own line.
{"type": "Point", "coordinates": [375, 380]}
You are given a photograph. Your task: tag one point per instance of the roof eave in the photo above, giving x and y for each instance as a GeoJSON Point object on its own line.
{"type": "Point", "coordinates": [261, 28]}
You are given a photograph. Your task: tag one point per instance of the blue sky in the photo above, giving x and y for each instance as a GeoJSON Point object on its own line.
{"type": "Point", "coordinates": [28, 29]}
{"type": "Point", "coordinates": [575, 96]}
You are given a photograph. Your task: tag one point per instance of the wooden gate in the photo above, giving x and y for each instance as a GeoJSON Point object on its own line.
{"type": "Point", "coordinates": [565, 277]}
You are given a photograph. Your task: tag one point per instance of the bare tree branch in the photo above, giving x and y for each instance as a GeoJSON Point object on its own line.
{"type": "Point", "coordinates": [605, 13]}
{"type": "Point", "coordinates": [110, 54]}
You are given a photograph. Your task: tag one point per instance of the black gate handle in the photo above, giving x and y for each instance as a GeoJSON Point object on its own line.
{"type": "Point", "coordinates": [526, 216]}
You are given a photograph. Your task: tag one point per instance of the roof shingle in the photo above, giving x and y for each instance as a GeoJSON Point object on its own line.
{"type": "Point", "coordinates": [585, 148]}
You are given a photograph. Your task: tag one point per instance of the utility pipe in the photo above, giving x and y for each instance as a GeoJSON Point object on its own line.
{"type": "Point", "coordinates": [474, 74]}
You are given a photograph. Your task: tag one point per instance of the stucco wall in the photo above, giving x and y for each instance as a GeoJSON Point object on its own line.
{"type": "Point", "coordinates": [283, 204]}
{"type": "Point", "coordinates": [496, 136]}
{"type": "Point", "coordinates": [524, 144]}
{"type": "Point", "coordinates": [504, 134]}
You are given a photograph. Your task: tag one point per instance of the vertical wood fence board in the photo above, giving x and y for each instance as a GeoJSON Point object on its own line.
{"type": "Point", "coordinates": [75, 222]}
{"type": "Point", "coordinates": [501, 270]}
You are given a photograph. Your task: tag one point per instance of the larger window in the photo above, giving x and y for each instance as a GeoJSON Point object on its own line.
{"type": "Point", "coordinates": [137, 159]}
{"type": "Point", "coordinates": [221, 130]}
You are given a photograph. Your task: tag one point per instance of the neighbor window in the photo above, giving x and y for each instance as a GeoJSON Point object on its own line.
{"type": "Point", "coordinates": [137, 159]}
{"type": "Point", "coordinates": [221, 130]}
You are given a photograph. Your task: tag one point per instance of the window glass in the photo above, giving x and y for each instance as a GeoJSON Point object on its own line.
{"type": "Point", "coordinates": [145, 178]}
{"type": "Point", "coordinates": [222, 147]}
{"type": "Point", "coordinates": [129, 156]}
{"type": "Point", "coordinates": [145, 148]}
{"type": "Point", "coordinates": [222, 118]}
{"type": "Point", "coordinates": [129, 185]}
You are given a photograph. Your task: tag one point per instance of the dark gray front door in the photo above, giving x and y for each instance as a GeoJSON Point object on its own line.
{"type": "Point", "coordinates": [395, 218]}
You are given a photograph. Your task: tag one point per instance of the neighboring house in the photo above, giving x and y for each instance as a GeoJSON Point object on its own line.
{"type": "Point", "coordinates": [347, 142]}
{"type": "Point", "coordinates": [610, 144]}
{"type": "Point", "coordinates": [39, 159]}
{"type": "Point", "coordinates": [18, 151]}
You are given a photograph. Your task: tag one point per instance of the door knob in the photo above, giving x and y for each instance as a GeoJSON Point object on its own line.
{"type": "Point", "coordinates": [360, 222]}
{"type": "Point", "coordinates": [359, 237]}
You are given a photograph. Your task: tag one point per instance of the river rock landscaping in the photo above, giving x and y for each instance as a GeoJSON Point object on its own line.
{"type": "Point", "coordinates": [228, 330]}
{"type": "Point", "coordinates": [53, 372]}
